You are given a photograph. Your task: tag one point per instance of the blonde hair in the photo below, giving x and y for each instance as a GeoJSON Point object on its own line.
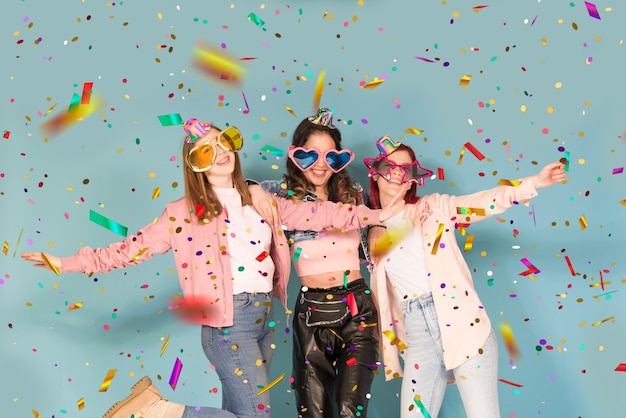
{"type": "Point", "coordinates": [201, 197]}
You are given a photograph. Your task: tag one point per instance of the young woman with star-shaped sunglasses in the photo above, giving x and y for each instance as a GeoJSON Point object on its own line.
{"type": "Point", "coordinates": [429, 312]}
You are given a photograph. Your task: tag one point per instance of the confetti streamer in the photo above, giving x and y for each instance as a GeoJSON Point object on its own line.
{"type": "Point", "coordinates": [17, 244]}
{"type": "Point", "coordinates": [474, 151]}
{"type": "Point", "coordinates": [583, 222]}
{"type": "Point", "coordinates": [531, 269]}
{"type": "Point", "coordinates": [437, 239]}
{"type": "Point", "coordinates": [509, 341]}
{"type": "Point", "coordinates": [78, 113]}
{"type": "Point", "coordinates": [49, 264]}
{"type": "Point", "coordinates": [164, 346]}
{"type": "Point", "coordinates": [469, 243]}
{"type": "Point", "coordinates": [373, 84]}
{"type": "Point", "coordinates": [245, 101]}
{"type": "Point", "coordinates": [424, 59]}
{"type": "Point", "coordinates": [601, 280]}
{"type": "Point", "coordinates": [505, 182]}
{"type": "Point", "coordinates": [569, 264]}
{"type": "Point", "coordinates": [171, 119]}
{"type": "Point", "coordinates": [354, 310]}
{"type": "Point", "coordinates": [218, 65]}
{"type": "Point", "coordinates": [470, 211]}
{"type": "Point", "coordinates": [621, 367]}
{"type": "Point", "coordinates": [270, 385]}
{"type": "Point", "coordinates": [139, 254]}
{"type": "Point", "coordinates": [395, 340]}
{"type": "Point", "coordinates": [421, 406]}
{"type": "Point", "coordinates": [178, 367]}
{"type": "Point", "coordinates": [86, 93]}
{"type": "Point", "coordinates": [465, 79]}
{"type": "Point", "coordinates": [290, 110]}
{"type": "Point", "coordinates": [319, 88]}
{"type": "Point", "coordinates": [107, 380]}
{"type": "Point", "coordinates": [411, 130]}
{"type": "Point", "coordinates": [508, 382]}
{"type": "Point", "coordinates": [107, 223]}
{"type": "Point", "coordinates": [592, 10]}
{"type": "Point", "coordinates": [262, 256]}
{"type": "Point", "coordinates": [610, 318]}
{"type": "Point", "coordinates": [274, 151]}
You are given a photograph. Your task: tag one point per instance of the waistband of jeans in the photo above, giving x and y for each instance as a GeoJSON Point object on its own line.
{"type": "Point", "coordinates": [421, 300]}
{"type": "Point", "coordinates": [358, 284]}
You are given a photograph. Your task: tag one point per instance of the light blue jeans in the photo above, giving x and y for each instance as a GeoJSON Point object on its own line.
{"type": "Point", "coordinates": [241, 355]}
{"type": "Point", "coordinates": [425, 374]}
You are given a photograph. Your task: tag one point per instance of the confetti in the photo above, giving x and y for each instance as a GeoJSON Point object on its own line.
{"type": "Point", "coordinates": [74, 306]}
{"type": "Point", "coordinates": [569, 264]}
{"type": "Point", "coordinates": [621, 367]}
{"type": "Point", "coordinates": [391, 238]}
{"type": "Point", "coordinates": [583, 222]}
{"type": "Point", "coordinates": [81, 404]}
{"type": "Point", "coordinates": [440, 173]}
{"type": "Point", "coordinates": [461, 156]}
{"type": "Point", "coordinates": [17, 244]}
{"type": "Point", "coordinates": [592, 10]}
{"type": "Point", "coordinates": [618, 170]}
{"type": "Point", "coordinates": [270, 385]}
{"type": "Point", "coordinates": [610, 318]}
{"type": "Point", "coordinates": [272, 150]}
{"type": "Point", "coordinates": [156, 193]}
{"type": "Point", "coordinates": [86, 93]}
{"type": "Point", "coordinates": [373, 84]}
{"type": "Point", "coordinates": [470, 211]}
{"type": "Point", "coordinates": [139, 254]}
{"type": "Point", "coordinates": [411, 130]}
{"type": "Point", "coordinates": [505, 182]}
{"type": "Point", "coordinates": [351, 362]}
{"type": "Point", "coordinates": [262, 256]}
{"type": "Point", "coordinates": [256, 20]}
{"type": "Point", "coordinates": [49, 264]}
{"type": "Point", "coordinates": [354, 310]}
{"type": "Point", "coordinates": [178, 367]}
{"type": "Point", "coordinates": [424, 59]}
{"type": "Point", "coordinates": [421, 406]}
{"type": "Point", "coordinates": [469, 242]}
{"type": "Point", "coordinates": [465, 79]}
{"type": "Point", "coordinates": [6, 134]}
{"type": "Point", "coordinates": [171, 119]}
{"type": "Point", "coordinates": [437, 239]}
{"type": "Point", "coordinates": [107, 223]}
{"type": "Point", "coordinates": [64, 121]}
{"type": "Point", "coordinates": [245, 102]}
{"type": "Point", "coordinates": [107, 380]}
{"type": "Point", "coordinates": [474, 151]}
{"type": "Point", "coordinates": [297, 253]}
{"type": "Point", "coordinates": [164, 346]}
{"type": "Point", "coordinates": [290, 110]}
{"type": "Point", "coordinates": [565, 161]}
{"type": "Point", "coordinates": [508, 382]}
{"type": "Point", "coordinates": [395, 340]}
{"type": "Point", "coordinates": [509, 341]}
{"type": "Point", "coordinates": [319, 88]}
{"type": "Point", "coordinates": [218, 65]}
{"type": "Point", "coordinates": [531, 268]}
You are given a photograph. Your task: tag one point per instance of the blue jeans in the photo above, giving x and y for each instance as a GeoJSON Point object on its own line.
{"type": "Point", "coordinates": [425, 373]}
{"type": "Point", "coordinates": [241, 355]}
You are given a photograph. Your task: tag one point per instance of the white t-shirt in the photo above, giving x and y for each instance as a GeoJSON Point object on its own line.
{"type": "Point", "coordinates": [405, 263]}
{"type": "Point", "coordinates": [249, 242]}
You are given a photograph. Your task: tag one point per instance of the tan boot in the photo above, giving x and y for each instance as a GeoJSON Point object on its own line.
{"type": "Point", "coordinates": [145, 401]}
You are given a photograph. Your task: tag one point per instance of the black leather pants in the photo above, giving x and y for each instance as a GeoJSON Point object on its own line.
{"type": "Point", "coordinates": [333, 366]}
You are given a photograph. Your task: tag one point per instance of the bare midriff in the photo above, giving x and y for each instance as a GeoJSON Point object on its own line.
{"type": "Point", "coordinates": [332, 279]}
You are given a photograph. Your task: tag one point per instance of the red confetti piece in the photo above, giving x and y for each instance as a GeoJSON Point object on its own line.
{"type": "Point", "coordinates": [517, 385]}
{"type": "Point", "coordinates": [351, 362]}
{"type": "Point", "coordinates": [569, 264]}
{"type": "Point", "coordinates": [474, 151]}
{"type": "Point", "coordinates": [531, 269]}
{"type": "Point", "coordinates": [440, 173]}
{"type": "Point", "coordinates": [6, 134]}
{"type": "Point", "coordinates": [621, 367]}
{"type": "Point", "coordinates": [262, 256]}
{"type": "Point", "coordinates": [86, 93]}
{"type": "Point", "coordinates": [354, 310]}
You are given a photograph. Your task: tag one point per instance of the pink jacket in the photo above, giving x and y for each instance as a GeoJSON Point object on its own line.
{"type": "Point", "coordinates": [462, 318]}
{"type": "Point", "coordinates": [201, 252]}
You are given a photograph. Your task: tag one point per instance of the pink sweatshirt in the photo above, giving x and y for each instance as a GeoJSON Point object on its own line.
{"type": "Point", "coordinates": [201, 252]}
{"type": "Point", "coordinates": [462, 318]}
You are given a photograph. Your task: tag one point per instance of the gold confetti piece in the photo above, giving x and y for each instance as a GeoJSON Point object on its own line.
{"type": "Point", "coordinates": [437, 239]}
{"type": "Point", "coordinates": [470, 211]}
{"type": "Point", "coordinates": [509, 341]}
{"type": "Point", "coordinates": [583, 222]}
{"type": "Point", "coordinates": [107, 380]}
{"type": "Point", "coordinates": [17, 244]}
{"type": "Point", "coordinates": [469, 243]}
{"type": "Point", "coordinates": [610, 318]}
{"type": "Point", "coordinates": [373, 84]}
{"type": "Point", "coordinates": [465, 79]}
{"type": "Point", "coordinates": [139, 254]}
{"type": "Point", "coordinates": [319, 88]}
{"type": "Point", "coordinates": [271, 384]}
{"type": "Point", "coordinates": [81, 404]}
{"type": "Point", "coordinates": [505, 182]}
{"type": "Point", "coordinates": [49, 264]}
{"type": "Point", "coordinates": [412, 130]}
{"type": "Point", "coordinates": [461, 156]}
{"type": "Point", "coordinates": [391, 238]}
{"type": "Point", "coordinates": [36, 414]}
{"type": "Point", "coordinates": [395, 340]}
{"type": "Point", "coordinates": [156, 192]}
{"type": "Point", "coordinates": [290, 110]}
{"type": "Point", "coordinates": [74, 306]}
{"type": "Point", "coordinates": [164, 346]}
{"type": "Point", "coordinates": [623, 202]}
{"type": "Point", "coordinates": [5, 248]}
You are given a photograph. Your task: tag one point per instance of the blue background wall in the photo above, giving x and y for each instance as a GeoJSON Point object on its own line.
{"type": "Point", "coordinates": [546, 78]}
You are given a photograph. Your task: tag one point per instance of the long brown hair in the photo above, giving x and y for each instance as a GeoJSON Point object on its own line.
{"type": "Point", "coordinates": [340, 187]}
{"type": "Point", "coordinates": [411, 194]}
{"type": "Point", "coordinates": [201, 198]}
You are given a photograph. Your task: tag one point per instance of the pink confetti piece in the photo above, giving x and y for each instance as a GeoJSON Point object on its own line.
{"type": "Point", "coordinates": [618, 170]}
{"type": "Point", "coordinates": [178, 367]}
{"type": "Point", "coordinates": [593, 10]}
